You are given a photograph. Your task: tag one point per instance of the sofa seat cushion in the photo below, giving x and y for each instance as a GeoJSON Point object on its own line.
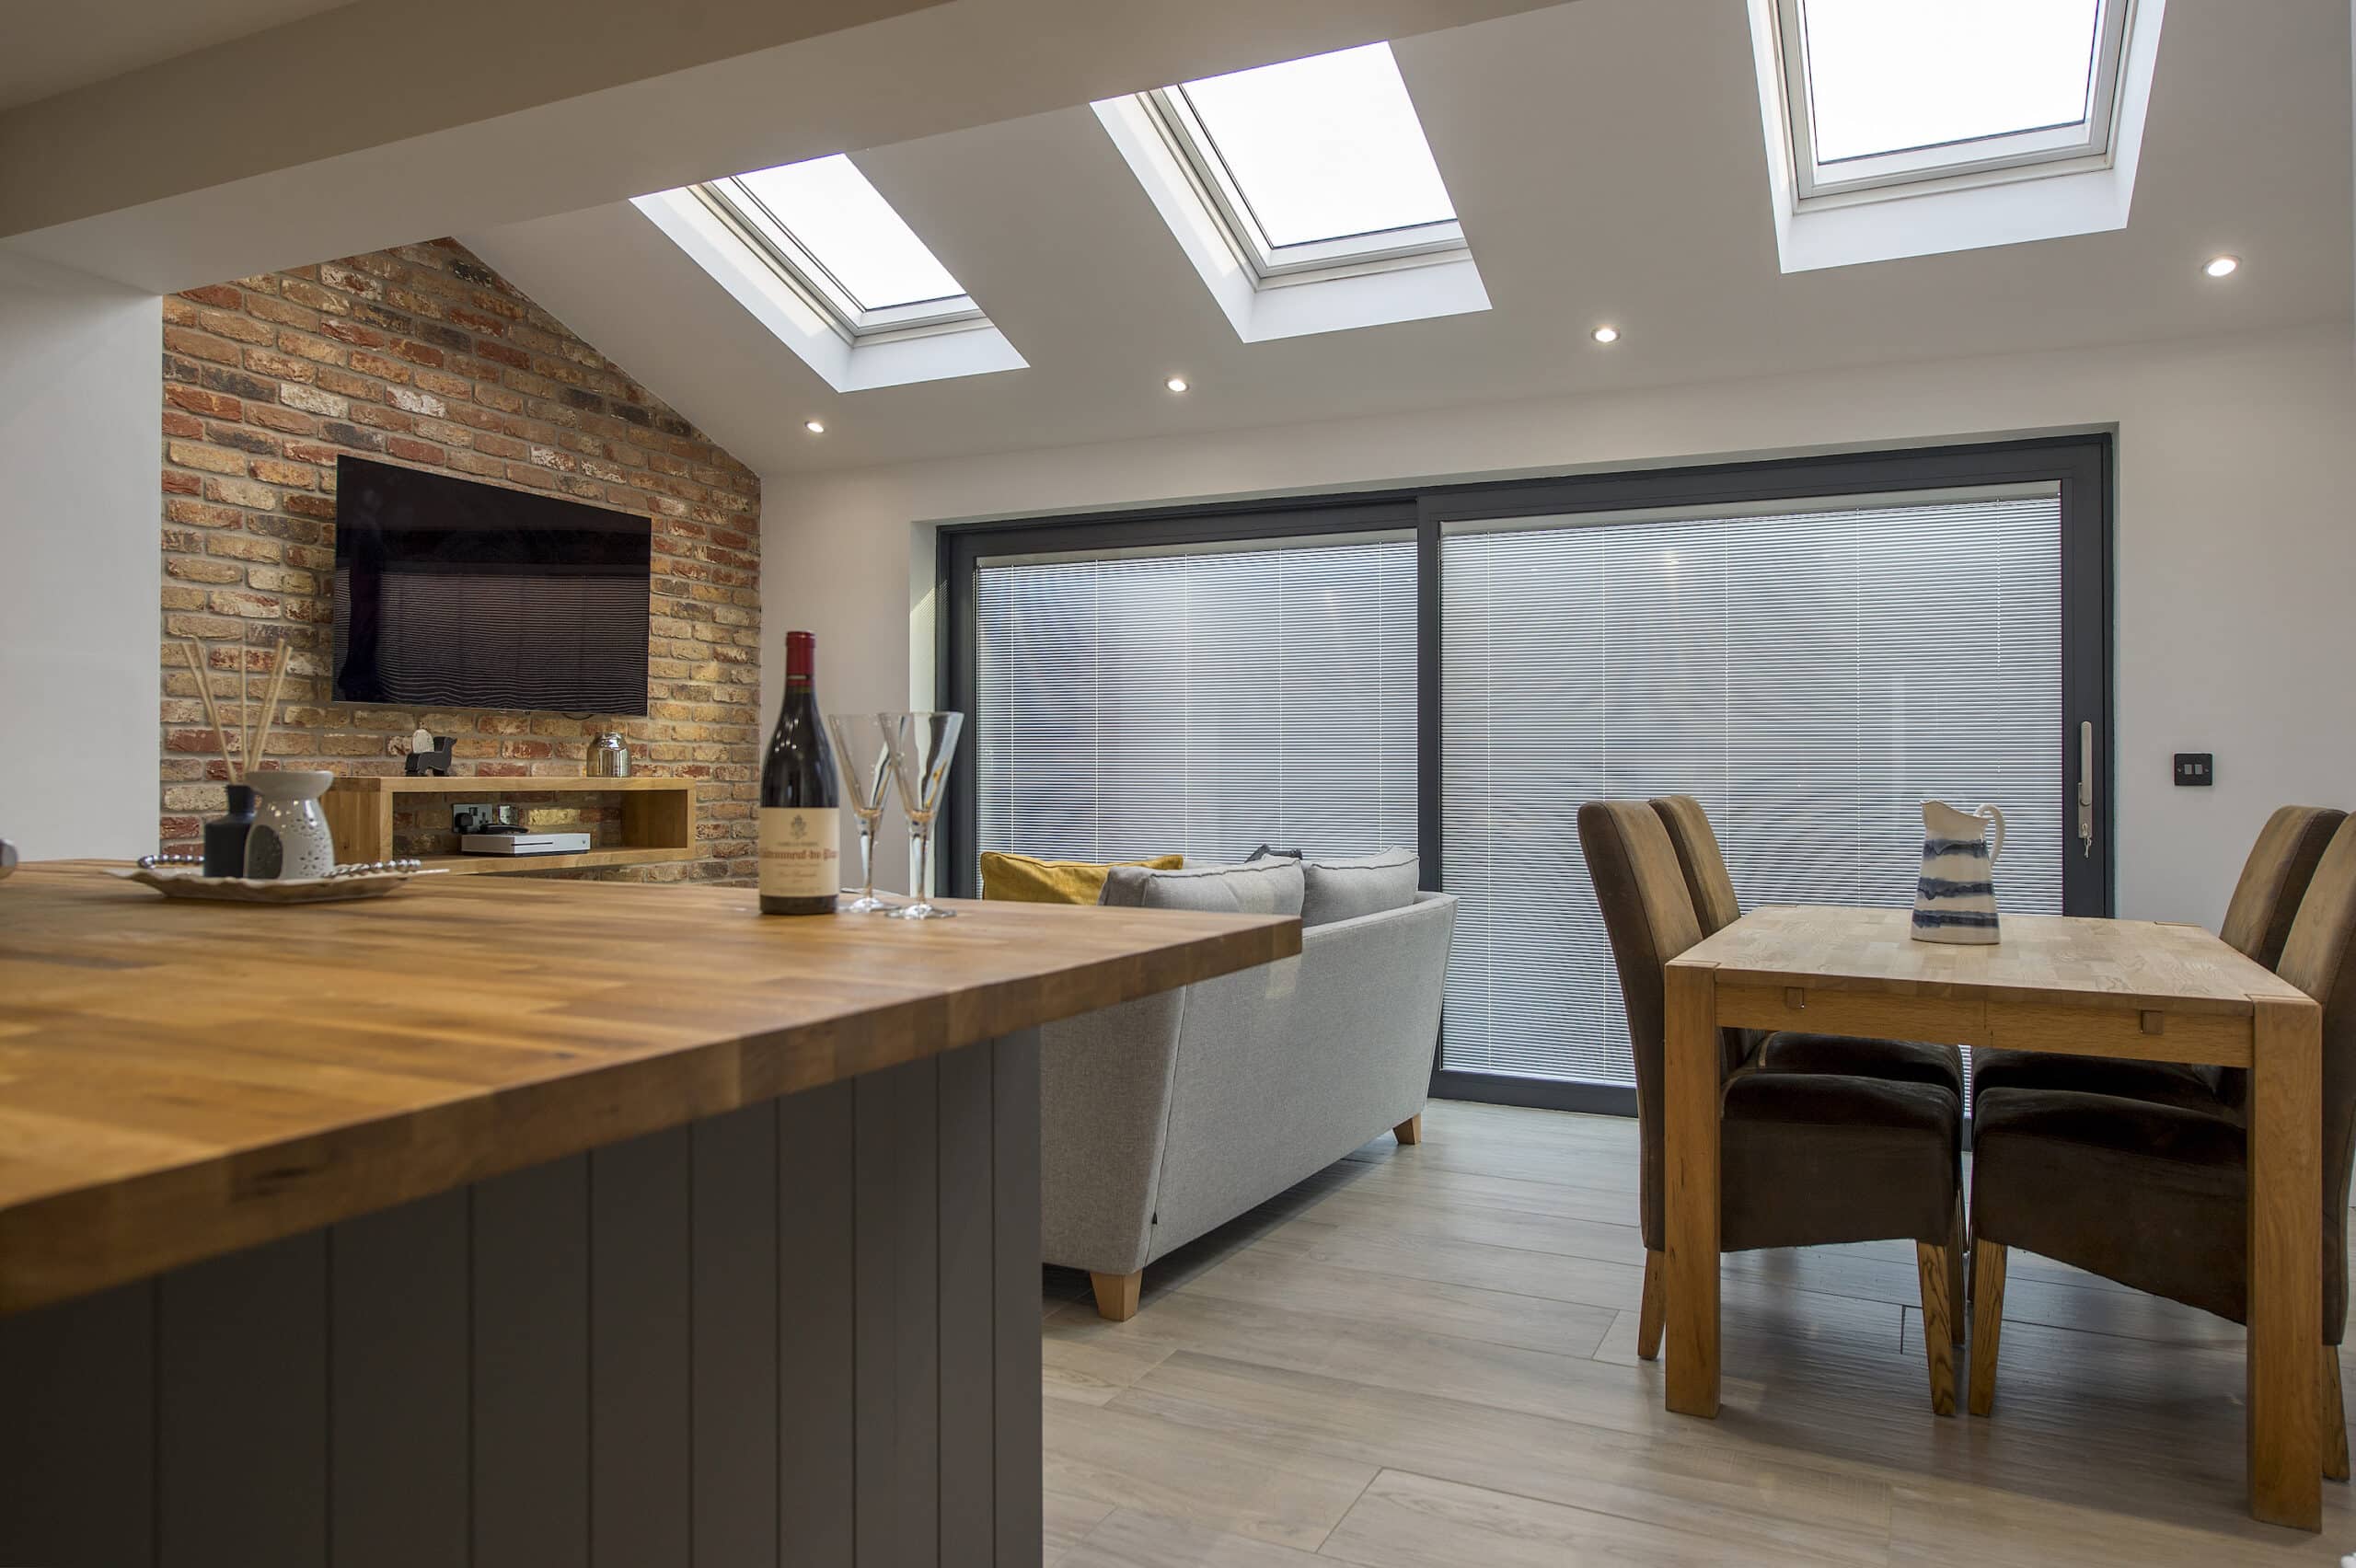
{"type": "Point", "coordinates": [1904, 1061]}
{"type": "Point", "coordinates": [1369, 884]}
{"type": "Point", "coordinates": [1024, 879]}
{"type": "Point", "coordinates": [1264, 887]}
{"type": "Point", "coordinates": [2179, 1227]}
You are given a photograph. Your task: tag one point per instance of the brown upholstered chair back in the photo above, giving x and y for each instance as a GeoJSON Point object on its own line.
{"type": "Point", "coordinates": [1704, 863]}
{"type": "Point", "coordinates": [2319, 958]}
{"type": "Point", "coordinates": [2274, 878]}
{"type": "Point", "coordinates": [1709, 885]}
{"type": "Point", "coordinates": [2266, 899]}
{"type": "Point", "coordinates": [1649, 917]}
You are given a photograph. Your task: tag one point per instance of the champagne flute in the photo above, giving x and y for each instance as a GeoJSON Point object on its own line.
{"type": "Point", "coordinates": [863, 761]}
{"type": "Point", "coordinates": [922, 746]}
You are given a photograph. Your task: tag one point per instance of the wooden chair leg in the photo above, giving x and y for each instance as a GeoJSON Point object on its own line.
{"type": "Point", "coordinates": [1116, 1295]}
{"type": "Point", "coordinates": [1652, 1312]}
{"type": "Point", "coordinates": [1958, 1288]}
{"type": "Point", "coordinates": [1938, 1324]}
{"type": "Point", "coordinates": [1987, 1320]}
{"type": "Point", "coordinates": [1410, 1131]}
{"type": "Point", "coordinates": [2335, 1418]}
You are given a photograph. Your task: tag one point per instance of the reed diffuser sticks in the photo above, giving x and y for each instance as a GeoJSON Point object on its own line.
{"type": "Point", "coordinates": [204, 690]}
{"type": "Point", "coordinates": [261, 746]}
{"type": "Point", "coordinates": [252, 745]}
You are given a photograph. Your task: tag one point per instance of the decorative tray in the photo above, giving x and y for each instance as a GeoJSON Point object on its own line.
{"type": "Point", "coordinates": [373, 880]}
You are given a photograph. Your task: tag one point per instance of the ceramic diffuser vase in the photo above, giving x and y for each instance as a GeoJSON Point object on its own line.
{"type": "Point", "coordinates": [1956, 900]}
{"type": "Point", "coordinates": [289, 838]}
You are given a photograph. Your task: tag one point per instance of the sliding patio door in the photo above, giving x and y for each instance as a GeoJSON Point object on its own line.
{"type": "Point", "coordinates": [1811, 672]}
{"type": "Point", "coordinates": [1811, 646]}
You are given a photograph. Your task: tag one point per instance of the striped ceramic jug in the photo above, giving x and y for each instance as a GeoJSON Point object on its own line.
{"type": "Point", "coordinates": [1956, 900]}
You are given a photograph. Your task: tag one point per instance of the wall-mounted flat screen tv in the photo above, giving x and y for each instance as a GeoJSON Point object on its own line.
{"type": "Point", "coordinates": [450, 593]}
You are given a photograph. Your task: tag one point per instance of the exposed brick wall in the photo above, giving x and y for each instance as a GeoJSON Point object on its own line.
{"type": "Point", "coordinates": [424, 356]}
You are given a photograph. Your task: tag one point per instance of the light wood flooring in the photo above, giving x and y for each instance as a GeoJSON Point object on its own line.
{"type": "Point", "coordinates": [1425, 1357]}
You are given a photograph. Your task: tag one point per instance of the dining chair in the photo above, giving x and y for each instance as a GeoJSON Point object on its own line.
{"type": "Point", "coordinates": [1711, 884]}
{"type": "Point", "coordinates": [2258, 922]}
{"type": "Point", "coordinates": [1807, 1158]}
{"type": "Point", "coordinates": [1712, 887]}
{"type": "Point", "coordinates": [2155, 1195]}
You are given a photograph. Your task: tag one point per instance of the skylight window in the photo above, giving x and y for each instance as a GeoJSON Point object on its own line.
{"type": "Point", "coordinates": [825, 229]}
{"type": "Point", "coordinates": [1883, 92]}
{"type": "Point", "coordinates": [1326, 148]}
{"type": "Point", "coordinates": [1891, 78]}
{"type": "Point", "coordinates": [844, 222]}
{"type": "Point", "coordinates": [1313, 164]}
{"type": "Point", "coordinates": [814, 254]}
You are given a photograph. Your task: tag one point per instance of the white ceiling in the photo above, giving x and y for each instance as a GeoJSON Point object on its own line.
{"type": "Point", "coordinates": [56, 47]}
{"type": "Point", "coordinates": [1606, 160]}
{"type": "Point", "coordinates": [518, 108]}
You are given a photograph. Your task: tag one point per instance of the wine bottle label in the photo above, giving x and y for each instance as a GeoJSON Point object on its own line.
{"type": "Point", "coordinates": [801, 852]}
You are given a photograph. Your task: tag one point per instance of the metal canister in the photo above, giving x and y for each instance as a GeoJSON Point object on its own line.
{"type": "Point", "coordinates": [8, 857]}
{"type": "Point", "coordinates": [609, 756]}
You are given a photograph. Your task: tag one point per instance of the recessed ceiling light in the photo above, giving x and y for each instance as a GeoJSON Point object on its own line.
{"type": "Point", "coordinates": [815, 427]}
{"type": "Point", "coordinates": [1177, 383]}
{"type": "Point", "coordinates": [2222, 266]}
{"type": "Point", "coordinates": [1607, 334]}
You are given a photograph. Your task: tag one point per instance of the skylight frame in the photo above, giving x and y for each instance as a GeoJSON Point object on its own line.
{"type": "Point", "coordinates": [773, 242]}
{"type": "Point", "coordinates": [2077, 146]}
{"type": "Point", "coordinates": [1173, 116]}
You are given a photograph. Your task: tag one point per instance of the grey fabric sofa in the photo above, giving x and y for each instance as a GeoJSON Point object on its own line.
{"type": "Point", "coordinates": [1167, 1117]}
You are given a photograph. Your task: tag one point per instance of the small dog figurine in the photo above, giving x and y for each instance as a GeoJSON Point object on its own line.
{"type": "Point", "coordinates": [434, 762]}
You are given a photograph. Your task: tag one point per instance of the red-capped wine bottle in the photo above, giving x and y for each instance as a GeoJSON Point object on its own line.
{"type": "Point", "coordinates": [801, 853]}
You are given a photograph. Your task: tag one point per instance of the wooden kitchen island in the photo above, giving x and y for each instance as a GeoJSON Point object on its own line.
{"type": "Point", "coordinates": [514, 1222]}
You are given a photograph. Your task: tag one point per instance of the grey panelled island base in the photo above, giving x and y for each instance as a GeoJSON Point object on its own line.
{"type": "Point", "coordinates": [532, 1223]}
{"type": "Point", "coordinates": [768, 1336]}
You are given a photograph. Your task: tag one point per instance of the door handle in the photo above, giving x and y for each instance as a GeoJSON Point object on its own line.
{"type": "Point", "coordinates": [2086, 787]}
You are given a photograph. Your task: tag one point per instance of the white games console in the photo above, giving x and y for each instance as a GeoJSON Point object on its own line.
{"type": "Point", "coordinates": [524, 843]}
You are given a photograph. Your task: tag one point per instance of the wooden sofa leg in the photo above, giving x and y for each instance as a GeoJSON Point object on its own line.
{"type": "Point", "coordinates": [1938, 1319]}
{"type": "Point", "coordinates": [1410, 1131]}
{"type": "Point", "coordinates": [1652, 1312]}
{"type": "Point", "coordinates": [1116, 1295]}
{"type": "Point", "coordinates": [1987, 1320]}
{"type": "Point", "coordinates": [2335, 1418]}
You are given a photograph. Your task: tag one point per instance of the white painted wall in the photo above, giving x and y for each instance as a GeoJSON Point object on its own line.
{"type": "Point", "coordinates": [2237, 546]}
{"type": "Point", "coordinates": [81, 433]}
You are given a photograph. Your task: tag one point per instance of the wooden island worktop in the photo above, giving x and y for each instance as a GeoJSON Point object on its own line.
{"type": "Point", "coordinates": [482, 1113]}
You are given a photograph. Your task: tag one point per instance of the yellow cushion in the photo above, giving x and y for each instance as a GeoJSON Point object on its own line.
{"type": "Point", "coordinates": [1020, 879]}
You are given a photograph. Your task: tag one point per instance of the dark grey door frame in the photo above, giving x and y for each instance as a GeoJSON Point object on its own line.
{"type": "Point", "coordinates": [2083, 466]}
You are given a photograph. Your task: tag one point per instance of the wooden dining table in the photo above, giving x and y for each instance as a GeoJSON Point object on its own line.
{"type": "Point", "coordinates": [2134, 990]}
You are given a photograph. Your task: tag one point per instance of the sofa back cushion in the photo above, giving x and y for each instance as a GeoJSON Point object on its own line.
{"type": "Point", "coordinates": [1265, 887]}
{"type": "Point", "coordinates": [1023, 878]}
{"type": "Point", "coordinates": [1344, 890]}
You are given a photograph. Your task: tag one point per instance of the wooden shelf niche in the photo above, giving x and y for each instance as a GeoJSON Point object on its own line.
{"type": "Point", "coordinates": [658, 820]}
